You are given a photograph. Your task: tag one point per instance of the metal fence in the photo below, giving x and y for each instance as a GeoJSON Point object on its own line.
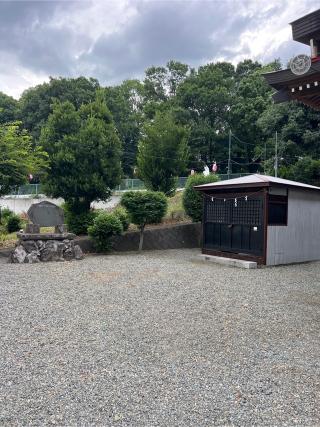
{"type": "Point", "coordinates": [126, 185]}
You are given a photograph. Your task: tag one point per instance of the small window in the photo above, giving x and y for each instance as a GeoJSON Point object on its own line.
{"type": "Point", "coordinates": [277, 210]}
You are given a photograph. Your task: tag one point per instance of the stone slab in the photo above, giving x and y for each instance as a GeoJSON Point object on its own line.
{"type": "Point", "coordinates": [46, 214]}
{"type": "Point", "coordinates": [46, 236]}
{"type": "Point", "coordinates": [232, 262]}
{"type": "Point", "coordinates": [32, 228]}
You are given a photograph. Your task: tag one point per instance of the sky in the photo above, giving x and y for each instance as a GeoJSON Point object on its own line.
{"type": "Point", "coordinates": [116, 40]}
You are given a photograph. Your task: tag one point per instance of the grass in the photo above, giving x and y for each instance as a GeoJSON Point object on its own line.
{"type": "Point", "coordinates": [176, 211]}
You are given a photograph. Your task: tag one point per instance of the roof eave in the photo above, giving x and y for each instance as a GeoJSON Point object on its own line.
{"type": "Point", "coordinates": [231, 186]}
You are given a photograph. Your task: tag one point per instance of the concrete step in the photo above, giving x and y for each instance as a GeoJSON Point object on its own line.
{"type": "Point", "coordinates": [232, 262]}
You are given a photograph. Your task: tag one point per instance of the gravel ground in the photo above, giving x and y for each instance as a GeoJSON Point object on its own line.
{"type": "Point", "coordinates": [159, 340]}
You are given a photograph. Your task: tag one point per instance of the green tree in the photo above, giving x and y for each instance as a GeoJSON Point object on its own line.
{"type": "Point", "coordinates": [35, 103]}
{"type": "Point", "coordinates": [247, 67]}
{"type": "Point", "coordinates": [84, 152]}
{"type": "Point", "coordinates": [208, 96]}
{"type": "Point", "coordinates": [125, 103]}
{"type": "Point", "coordinates": [305, 170]}
{"type": "Point", "coordinates": [162, 153]}
{"type": "Point", "coordinates": [298, 133]}
{"type": "Point", "coordinates": [144, 207]}
{"type": "Point", "coordinates": [8, 108]}
{"type": "Point", "coordinates": [18, 157]}
{"type": "Point", "coordinates": [192, 199]}
{"type": "Point", "coordinates": [160, 86]}
{"type": "Point", "coordinates": [253, 97]}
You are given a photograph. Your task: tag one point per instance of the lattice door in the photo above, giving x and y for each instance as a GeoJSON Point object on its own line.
{"type": "Point", "coordinates": [234, 224]}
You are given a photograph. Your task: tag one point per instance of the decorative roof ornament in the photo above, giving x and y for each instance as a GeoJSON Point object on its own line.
{"type": "Point", "coordinates": [300, 64]}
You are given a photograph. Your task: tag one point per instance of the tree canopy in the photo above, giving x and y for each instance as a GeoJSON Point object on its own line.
{"type": "Point", "coordinates": [209, 101]}
{"type": "Point", "coordinates": [18, 157]}
{"type": "Point", "coordinates": [35, 103]}
{"type": "Point", "coordinates": [8, 108]}
{"type": "Point", "coordinates": [162, 153]}
{"type": "Point", "coordinates": [84, 152]}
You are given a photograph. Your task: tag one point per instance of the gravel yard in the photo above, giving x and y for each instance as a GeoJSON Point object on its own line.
{"type": "Point", "coordinates": [159, 340]}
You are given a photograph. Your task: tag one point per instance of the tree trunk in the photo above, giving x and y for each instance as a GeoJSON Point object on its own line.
{"type": "Point", "coordinates": [141, 238]}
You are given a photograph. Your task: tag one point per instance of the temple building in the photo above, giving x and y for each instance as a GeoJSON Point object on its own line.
{"type": "Point", "coordinates": [301, 81]}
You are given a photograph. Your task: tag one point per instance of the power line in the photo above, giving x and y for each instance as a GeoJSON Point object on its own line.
{"type": "Point", "coordinates": [243, 142]}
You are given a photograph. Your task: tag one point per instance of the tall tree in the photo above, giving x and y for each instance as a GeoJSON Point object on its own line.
{"type": "Point", "coordinates": [18, 157]}
{"type": "Point", "coordinates": [8, 108]}
{"type": "Point", "coordinates": [84, 152]}
{"type": "Point", "coordinates": [35, 103]}
{"type": "Point", "coordinates": [298, 134]}
{"type": "Point", "coordinates": [160, 85]}
{"type": "Point", "coordinates": [125, 103]}
{"type": "Point", "coordinates": [162, 153]}
{"type": "Point", "coordinates": [208, 96]}
{"type": "Point", "coordinates": [253, 97]}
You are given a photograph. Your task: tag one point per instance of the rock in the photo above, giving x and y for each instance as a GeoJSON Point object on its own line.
{"type": "Point", "coordinates": [40, 244]}
{"type": "Point", "coordinates": [52, 251]}
{"type": "Point", "coordinates": [33, 257]}
{"type": "Point", "coordinates": [18, 255]}
{"type": "Point", "coordinates": [29, 245]}
{"type": "Point", "coordinates": [68, 254]}
{"type": "Point", "coordinates": [78, 254]}
{"type": "Point", "coordinates": [61, 228]}
{"type": "Point", "coordinates": [32, 228]}
{"type": "Point", "coordinates": [33, 251]}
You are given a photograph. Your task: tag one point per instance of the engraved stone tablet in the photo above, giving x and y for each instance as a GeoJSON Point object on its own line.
{"type": "Point", "coordinates": [46, 214]}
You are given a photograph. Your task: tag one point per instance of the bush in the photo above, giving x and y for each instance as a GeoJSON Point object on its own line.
{"type": "Point", "coordinates": [105, 226]}
{"type": "Point", "coordinates": [78, 222]}
{"type": "Point", "coordinates": [144, 207]}
{"type": "Point", "coordinates": [5, 213]}
{"type": "Point", "coordinates": [192, 199]}
{"type": "Point", "coordinates": [122, 214]}
{"type": "Point", "coordinates": [13, 223]}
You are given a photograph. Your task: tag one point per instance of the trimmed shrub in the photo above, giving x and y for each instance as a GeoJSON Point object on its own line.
{"type": "Point", "coordinates": [192, 199]}
{"type": "Point", "coordinates": [144, 207]}
{"type": "Point", "coordinates": [5, 213]}
{"type": "Point", "coordinates": [122, 214]}
{"type": "Point", "coordinates": [13, 223]}
{"type": "Point", "coordinates": [78, 222]}
{"type": "Point", "coordinates": [105, 226]}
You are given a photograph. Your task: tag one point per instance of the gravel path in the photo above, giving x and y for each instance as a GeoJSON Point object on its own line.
{"type": "Point", "coordinates": [159, 340]}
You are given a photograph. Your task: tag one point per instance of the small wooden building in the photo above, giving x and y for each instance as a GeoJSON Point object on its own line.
{"type": "Point", "coordinates": [261, 218]}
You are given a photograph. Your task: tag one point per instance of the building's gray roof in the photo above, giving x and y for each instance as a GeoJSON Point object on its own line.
{"type": "Point", "coordinates": [255, 180]}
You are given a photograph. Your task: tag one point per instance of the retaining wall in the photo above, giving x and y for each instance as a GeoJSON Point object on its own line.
{"type": "Point", "coordinates": [170, 237]}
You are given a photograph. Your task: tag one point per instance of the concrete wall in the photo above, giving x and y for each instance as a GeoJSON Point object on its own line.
{"type": "Point", "coordinates": [170, 237]}
{"type": "Point", "coordinates": [300, 239]}
{"type": "Point", "coordinates": [20, 204]}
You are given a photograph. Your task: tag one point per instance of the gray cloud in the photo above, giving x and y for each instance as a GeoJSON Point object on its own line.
{"type": "Point", "coordinates": [187, 31]}
{"type": "Point", "coordinates": [27, 31]}
{"type": "Point", "coordinates": [59, 37]}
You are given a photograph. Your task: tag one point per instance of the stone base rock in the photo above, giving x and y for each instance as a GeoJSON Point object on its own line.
{"type": "Point", "coordinates": [33, 251]}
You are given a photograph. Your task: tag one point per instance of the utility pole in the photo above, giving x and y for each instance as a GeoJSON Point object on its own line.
{"type": "Point", "coordinates": [229, 158]}
{"type": "Point", "coordinates": [276, 158]}
{"type": "Point", "coordinates": [265, 157]}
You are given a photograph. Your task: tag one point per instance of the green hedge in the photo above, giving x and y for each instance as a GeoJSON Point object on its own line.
{"type": "Point", "coordinates": [192, 199]}
{"type": "Point", "coordinates": [104, 227]}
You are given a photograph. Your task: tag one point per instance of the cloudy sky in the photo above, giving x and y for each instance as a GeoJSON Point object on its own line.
{"type": "Point", "coordinates": [118, 39]}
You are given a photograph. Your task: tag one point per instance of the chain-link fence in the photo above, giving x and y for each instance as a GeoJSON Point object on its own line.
{"type": "Point", "coordinates": [126, 185]}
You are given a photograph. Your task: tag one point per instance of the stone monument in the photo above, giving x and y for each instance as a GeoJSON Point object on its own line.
{"type": "Point", "coordinates": [34, 246]}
